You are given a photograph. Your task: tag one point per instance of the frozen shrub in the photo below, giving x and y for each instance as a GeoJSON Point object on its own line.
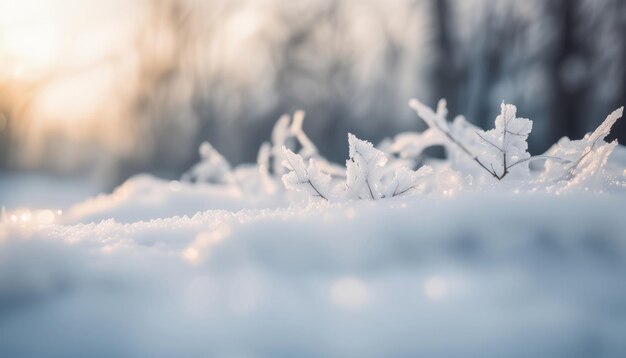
{"type": "Point", "coordinates": [309, 179]}
{"type": "Point", "coordinates": [288, 133]}
{"type": "Point", "coordinates": [265, 176]}
{"type": "Point", "coordinates": [585, 157]}
{"type": "Point", "coordinates": [499, 151]}
{"type": "Point", "coordinates": [364, 170]}
{"type": "Point", "coordinates": [369, 175]}
{"type": "Point", "coordinates": [212, 168]}
{"type": "Point", "coordinates": [505, 147]}
{"type": "Point", "coordinates": [373, 173]}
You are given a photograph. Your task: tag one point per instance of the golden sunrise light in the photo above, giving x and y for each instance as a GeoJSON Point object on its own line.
{"type": "Point", "coordinates": [30, 35]}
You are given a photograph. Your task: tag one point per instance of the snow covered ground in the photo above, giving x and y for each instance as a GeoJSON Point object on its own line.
{"type": "Point", "coordinates": [478, 275]}
{"type": "Point", "coordinates": [228, 263]}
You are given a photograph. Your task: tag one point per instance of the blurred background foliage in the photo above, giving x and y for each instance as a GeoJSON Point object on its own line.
{"type": "Point", "coordinates": [106, 89]}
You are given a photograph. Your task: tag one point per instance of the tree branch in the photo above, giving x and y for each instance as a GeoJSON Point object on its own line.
{"type": "Point", "coordinates": [488, 141]}
{"type": "Point", "coordinates": [465, 150]}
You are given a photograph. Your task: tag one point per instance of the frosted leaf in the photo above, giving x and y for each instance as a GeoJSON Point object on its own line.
{"type": "Point", "coordinates": [504, 149]}
{"type": "Point", "coordinates": [333, 169]}
{"type": "Point", "coordinates": [456, 138]}
{"type": "Point", "coordinates": [288, 132]}
{"type": "Point", "coordinates": [363, 169]}
{"type": "Point", "coordinates": [280, 138]}
{"type": "Point", "coordinates": [465, 133]}
{"type": "Point", "coordinates": [434, 119]}
{"type": "Point", "coordinates": [587, 172]}
{"type": "Point", "coordinates": [407, 181]}
{"type": "Point", "coordinates": [263, 164]}
{"type": "Point", "coordinates": [310, 180]}
{"type": "Point", "coordinates": [499, 151]}
{"type": "Point", "coordinates": [263, 156]}
{"type": "Point", "coordinates": [281, 132]}
{"type": "Point", "coordinates": [604, 128]}
{"type": "Point", "coordinates": [212, 167]}
{"type": "Point", "coordinates": [585, 157]}
{"type": "Point", "coordinates": [411, 144]}
{"type": "Point", "coordinates": [308, 149]}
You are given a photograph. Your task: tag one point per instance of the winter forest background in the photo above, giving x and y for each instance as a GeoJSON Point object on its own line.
{"type": "Point", "coordinates": [105, 89]}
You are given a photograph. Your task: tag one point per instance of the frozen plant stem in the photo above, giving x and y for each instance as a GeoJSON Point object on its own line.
{"type": "Point", "coordinates": [367, 181]}
{"type": "Point", "coordinates": [506, 166]}
{"type": "Point", "coordinates": [463, 148]}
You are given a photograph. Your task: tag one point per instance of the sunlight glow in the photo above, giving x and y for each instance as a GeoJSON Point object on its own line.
{"type": "Point", "coordinates": [30, 34]}
{"type": "Point", "coordinates": [45, 216]}
{"type": "Point", "coordinates": [244, 24]}
{"type": "Point", "coordinates": [27, 217]}
{"type": "Point", "coordinates": [63, 58]}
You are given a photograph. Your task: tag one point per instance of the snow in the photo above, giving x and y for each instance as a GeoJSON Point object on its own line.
{"type": "Point", "coordinates": [446, 277]}
{"type": "Point", "coordinates": [229, 262]}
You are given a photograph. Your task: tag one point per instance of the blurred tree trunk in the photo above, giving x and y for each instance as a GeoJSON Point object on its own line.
{"type": "Point", "coordinates": [445, 73]}
{"type": "Point", "coordinates": [568, 70]}
{"type": "Point", "coordinates": [620, 128]}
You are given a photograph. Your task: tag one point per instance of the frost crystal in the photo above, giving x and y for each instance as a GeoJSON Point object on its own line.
{"type": "Point", "coordinates": [585, 158]}
{"type": "Point", "coordinates": [475, 157]}
{"type": "Point", "coordinates": [505, 148]}
{"type": "Point", "coordinates": [500, 151]}
{"type": "Point", "coordinates": [364, 170]}
{"type": "Point", "coordinates": [406, 181]}
{"type": "Point", "coordinates": [369, 175]}
{"type": "Point", "coordinates": [212, 168]}
{"type": "Point", "coordinates": [307, 179]}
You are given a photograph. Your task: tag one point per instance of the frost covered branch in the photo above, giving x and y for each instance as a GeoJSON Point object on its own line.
{"type": "Point", "coordinates": [265, 177]}
{"type": "Point", "coordinates": [586, 156]}
{"type": "Point", "coordinates": [501, 150]}
{"type": "Point", "coordinates": [387, 171]}
{"type": "Point", "coordinates": [212, 168]}
{"type": "Point", "coordinates": [369, 175]}
{"type": "Point", "coordinates": [506, 143]}
{"type": "Point", "coordinates": [437, 120]}
{"type": "Point", "coordinates": [300, 178]}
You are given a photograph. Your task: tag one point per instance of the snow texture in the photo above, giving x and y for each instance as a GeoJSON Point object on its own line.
{"type": "Point", "coordinates": [438, 278]}
{"type": "Point", "coordinates": [393, 255]}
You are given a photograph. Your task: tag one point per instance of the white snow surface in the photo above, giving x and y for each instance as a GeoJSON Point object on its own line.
{"type": "Point", "coordinates": [490, 274]}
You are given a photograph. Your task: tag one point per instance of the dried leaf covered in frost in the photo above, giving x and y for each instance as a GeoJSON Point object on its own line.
{"type": "Point", "coordinates": [586, 156]}
{"type": "Point", "coordinates": [212, 168]}
{"type": "Point", "coordinates": [309, 179]}
{"type": "Point", "coordinates": [407, 181]}
{"type": "Point", "coordinates": [412, 144]}
{"type": "Point", "coordinates": [364, 170]}
{"type": "Point", "coordinates": [504, 149]}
